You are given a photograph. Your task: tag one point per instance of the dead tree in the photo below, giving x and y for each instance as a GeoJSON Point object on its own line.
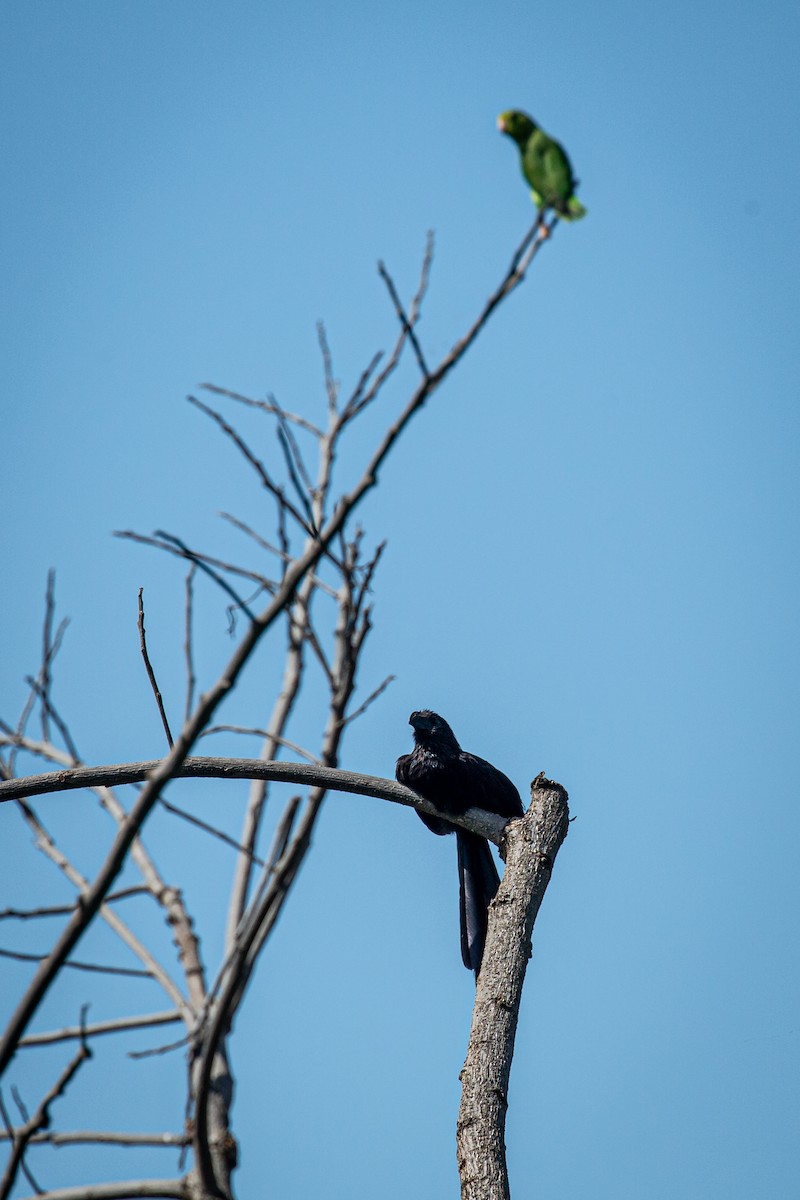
{"type": "Point", "coordinates": [317, 598]}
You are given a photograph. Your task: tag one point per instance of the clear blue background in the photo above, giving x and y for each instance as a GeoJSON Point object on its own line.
{"type": "Point", "coordinates": [592, 561]}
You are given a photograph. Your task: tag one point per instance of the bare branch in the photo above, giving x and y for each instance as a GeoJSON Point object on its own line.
{"type": "Point", "coordinates": [369, 572]}
{"type": "Point", "coordinates": [173, 545]}
{"type": "Point", "coordinates": [294, 453]}
{"type": "Point", "coordinates": [246, 729]}
{"type": "Point", "coordinates": [212, 829]}
{"type": "Point", "coordinates": [359, 402]}
{"type": "Point", "coordinates": [150, 672]}
{"type": "Point", "coordinates": [205, 563]}
{"type": "Point", "coordinates": [132, 1189]}
{"type": "Point", "coordinates": [424, 280]}
{"type": "Point", "coordinates": [61, 910]}
{"type": "Point", "coordinates": [265, 406]}
{"type": "Point", "coordinates": [331, 386]}
{"type": "Point", "coordinates": [362, 708]}
{"type": "Point", "coordinates": [47, 650]}
{"type": "Point", "coordinates": [197, 767]}
{"type": "Point", "coordinates": [88, 1137]}
{"type": "Point", "coordinates": [281, 554]}
{"type": "Point", "coordinates": [188, 642]}
{"type": "Point", "coordinates": [294, 667]}
{"type": "Point", "coordinates": [364, 379]}
{"type": "Point", "coordinates": [155, 1051]}
{"type": "Point", "coordinates": [50, 710]}
{"type": "Point", "coordinates": [403, 319]}
{"type": "Point", "coordinates": [47, 845]}
{"type": "Point", "coordinates": [100, 968]}
{"type": "Point", "coordinates": [531, 844]}
{"type": "Point", "coordinates": [255, 462]}
{"type": "Point", "coordinates": [41, 1118]}
{"type": "Point", "coordinates": [120, 1025]}
{"type": "Point", "coordinates": [308, 632]}
{"type": "Point", "coordinates": [51, 647]}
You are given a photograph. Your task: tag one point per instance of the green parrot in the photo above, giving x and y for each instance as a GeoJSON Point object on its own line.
{"type": "Point", "coordinates": [544, 164]}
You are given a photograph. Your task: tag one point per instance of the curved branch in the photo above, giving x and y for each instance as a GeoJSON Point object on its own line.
{"type": "Point", "coordinates": [333, 779]}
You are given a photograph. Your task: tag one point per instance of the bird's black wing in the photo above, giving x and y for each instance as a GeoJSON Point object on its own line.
{"type": "Point", "coordinates": [486, 787]}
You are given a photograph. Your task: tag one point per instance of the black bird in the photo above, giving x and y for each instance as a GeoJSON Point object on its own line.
{"type": "Point", "coordinates": [454, 781]}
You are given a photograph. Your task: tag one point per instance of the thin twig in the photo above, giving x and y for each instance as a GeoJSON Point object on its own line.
{"type": "Point", "coordinates": [263, 733]}
{"type": "Point", "coordinates": [204, 825]}
{"type": "Point", "coordinates": [54, 645]}
{"type": "Point", "coordinates": [204, 563]}
{"type": "Point", "coordinates": [283, 555]}
{"type": "Point", "coordinates": [173, 545]}
{"type": "Point", "coordinates": [369, 573]}
{"type": "Point", "coordinates": [14, 1135]}
{"type": "Point", "coordinates": [134, 972]}
{"type": "Point", "coordinates": [151, 675]}
{"type": "Point", "coordinates": [403, 319]}
{"type": "Point", "coordinates": [331, 386]}
{"type": "Point", "coordinates": [61, 910]}
{"type": "Point", "coordinates": [255, 462]}
{"type": "Point", "coordinates": [188, 651]}
{"type": "Point", "coordinates": [375, 388]}
{"type": "Point", "coordinates": [48, 706]}
{"type": "Point", "coordinates": [154, 1051]}
{"type": "Point", "coordinates": [362, 708]}
{"type": "Point", "coordinates": [47, 643]}
{"type": "Point", "coordinates": [296, 454]}
{"type": "Point", "coordinates": [265, 406]}
{"type": "Point", "coordinates": [363, 380]}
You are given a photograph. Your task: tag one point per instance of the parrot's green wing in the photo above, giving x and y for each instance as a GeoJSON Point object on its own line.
{"type": "Point", "coordinates": [547, 169]}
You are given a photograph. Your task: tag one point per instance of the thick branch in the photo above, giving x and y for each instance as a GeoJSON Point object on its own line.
{"type": "Point", "coordinates": [306, 774]}
{"type": "Point", "coordinates": [531, 845]}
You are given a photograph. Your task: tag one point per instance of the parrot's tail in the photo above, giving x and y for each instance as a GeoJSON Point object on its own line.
{"type": "Point", "coordinates": [575, 209]}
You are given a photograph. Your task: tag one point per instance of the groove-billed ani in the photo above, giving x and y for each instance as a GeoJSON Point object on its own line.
{"type": "Point", "coordinates": [454, 781]}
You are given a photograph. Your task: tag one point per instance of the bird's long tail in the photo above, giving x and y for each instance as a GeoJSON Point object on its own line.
{"type": "Point", "coordinates": [478, 882]}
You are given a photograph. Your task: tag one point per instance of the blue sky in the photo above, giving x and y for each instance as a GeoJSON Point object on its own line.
{"type": "Point", "coordinates": [592, 547]}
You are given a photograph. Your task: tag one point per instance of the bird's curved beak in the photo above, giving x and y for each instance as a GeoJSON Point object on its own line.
{"type": "Point", "coordinates": [501, 125]}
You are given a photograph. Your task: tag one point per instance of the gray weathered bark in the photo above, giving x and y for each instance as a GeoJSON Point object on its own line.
{"type": "Point", "coordinates": [531, 844]}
